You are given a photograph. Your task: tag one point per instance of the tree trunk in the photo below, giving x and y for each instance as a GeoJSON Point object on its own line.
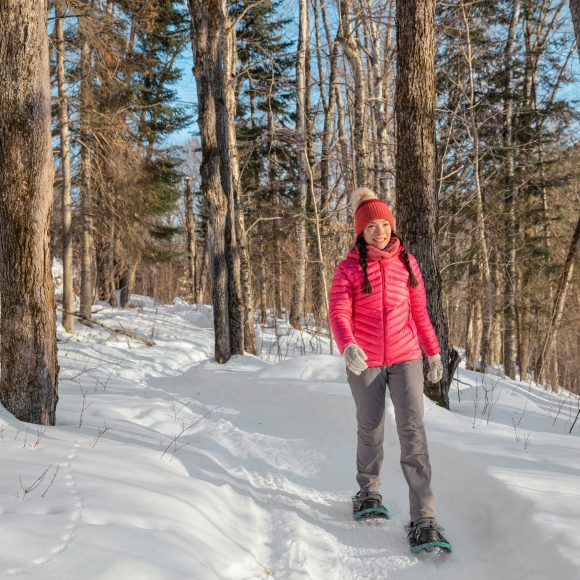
{"type": "Point", "coordinates": [262, 281]}
{"type": "Point", "coordinates": [203, 284]}
{"type": "Point", "coordinates": [353, 55]}
{"type": "Point", "coordinates": [548, 346]}
{"type": "Point", "coordinates": [509, 336]}
{"type": "Point", "coordinates": [524, 341]}
{"type": "Point", "coordinates": [415, 165]}
{"type": "Point", "coordinates": [85, 189]}
{"type": "Point", "coordinates": [67, 249]}
{"type": "Point", "coordinates": [190, 230]}
{"type": "Point", "coordinates": [380, 72]}
{"type": "Point", "coordinates": [127, 284]}
{"type": "Point", "coordinates": [575, 11]}
{"type": "Point", "coordinates": [298, 290]}
{"type": "Point", "coordinates": [207, 19]}
{"type": "Point", "coordinates": [328, 107]}
{"type": "Point", "coordinates": [277, 245]}
{"type": "Point", "coordinates": [226, 139]}
{"type": "Point", "coordinates": [29, 374]}
{"type": "Point", "coordinates": [241, 265]}
{"type": "Point", "coordinates": [488, 287]}
{"type": "Point", "coordinates": [473, 330]}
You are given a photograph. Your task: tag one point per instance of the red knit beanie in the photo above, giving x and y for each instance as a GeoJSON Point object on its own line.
{"type": "Point", "coordinates": [368, 207]}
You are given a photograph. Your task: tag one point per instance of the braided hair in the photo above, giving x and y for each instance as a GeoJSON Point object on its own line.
{"type": "Point", "coordinates": [361, 246]}
{"type": "Point", "coordinates": [362, 260]}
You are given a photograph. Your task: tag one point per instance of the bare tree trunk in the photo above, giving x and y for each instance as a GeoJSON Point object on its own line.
{"type": "Point", "coordinates": [67, 249]}
{"type": "Point", "coordinates": [509, 337]}
{"type": "Point", "coordinates": [379, 48]}
{"type": "Point", "coordinates": [242, 269]}
{"type": "Point", "coordinates": [488, 288]}
{"type": "Point", "coordinates": [29, 374]}
{"type": "Point", "coordinates": [112, 269]}
{"type": "Point", "coordinates": [207, 20]}
{"type": "Point", "coordinates": [203, 285]}
{"type": "Point", "coordinates": [190, 229]}
{"type": "Point", "coordinates": [327, 131]}
{"type": "Point", "coordinates": [473, 342]}
{"type": "Point", "coordinates": [263, 290]}
{"type": "Point", "coordinates": [298, 290]}
{"type": "Point", "coordinates": [575, 11]}
{"type": "Point", "coordinates": [272, 164]}
{"type": "Point", "coordinates": [328, 106]}
{"type": "Point", "coordinates": [226, 138]}
{"type": "Point", "coordinates": [548, 346]}
{"type": "Point", "coordinates": [524, 342]}
{"type": "Point", "coordinates": [85, 190]}
{"type": "Point", "coordinates": [353, 55]}
{"type": "Point", "coordinates": [415, 120]}
{"type": "Point", "coordinates": [127, 283]}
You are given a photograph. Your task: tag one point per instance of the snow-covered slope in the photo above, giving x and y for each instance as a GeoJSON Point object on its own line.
{"type": "Point", "coordinates": [165, 465]}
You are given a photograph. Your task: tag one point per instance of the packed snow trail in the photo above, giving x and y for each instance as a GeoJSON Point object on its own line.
{"type": "Point", "coordinates": [182, 468]}
{"type": "Point", "coordinates": [309, 479]}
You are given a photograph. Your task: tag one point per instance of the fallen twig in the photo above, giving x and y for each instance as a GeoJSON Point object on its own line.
{"type": "Point", "coordinates": [123, 331]}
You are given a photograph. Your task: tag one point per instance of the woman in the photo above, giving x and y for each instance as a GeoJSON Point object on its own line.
{"type": "Point", "coordinates": [379, 319]}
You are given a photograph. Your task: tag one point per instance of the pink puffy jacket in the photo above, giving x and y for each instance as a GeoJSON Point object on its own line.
{"type": "Point", "coordinates": [388, 324]}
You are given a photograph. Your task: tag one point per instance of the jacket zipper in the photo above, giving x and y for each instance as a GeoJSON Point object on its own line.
{"type": "Point", "coordinates": [383, 310]}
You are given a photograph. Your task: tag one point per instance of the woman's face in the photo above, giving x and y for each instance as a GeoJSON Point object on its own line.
{"type": "Point", "coordinates": [377, 233]}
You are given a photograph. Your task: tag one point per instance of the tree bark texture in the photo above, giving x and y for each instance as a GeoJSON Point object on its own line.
{"type": "Point", "coordinates": [488, 306]}
{"type": "Point", "coordinates": [29, 374]}
{"type": "Point", "coordinates": [67, 248]}
{"type": "Point", "coordinates": [380, 55]}
{"type": "Point", "coordinates": [190, 230]}
{"type": "Point", "coordinates": [298, 290]}
{"type": "Point", "coordinates": [415, 163]}
{"type": "Point", "coordinates": [240, 275]}
{"type": "Point", "coordinates": [207, 19]}
{"type": "Point", "coordinates": [548, 346]}
{"type": "Point", "coordinates": [353, 55]}
{"type": "Point", "coordinates": [86, 297]}
{"type": "Point", "coordinates": [226, 139]}
{"type": "Point", "coordinates": [575, 11]}
{"type": "Point", "coordinates": [509, 338]}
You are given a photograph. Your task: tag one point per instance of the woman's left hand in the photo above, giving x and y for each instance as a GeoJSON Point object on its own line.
{"type": "Point", "coordinates": [435, 368]}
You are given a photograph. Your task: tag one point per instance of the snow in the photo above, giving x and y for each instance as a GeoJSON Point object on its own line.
{"type": "Point", "coordinates": [166, 465]}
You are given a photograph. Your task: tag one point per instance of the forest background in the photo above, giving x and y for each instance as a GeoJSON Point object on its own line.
{"type": "Point", "coordinates": [290, 106]}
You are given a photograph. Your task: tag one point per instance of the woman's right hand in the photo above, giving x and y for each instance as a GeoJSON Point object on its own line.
{"type": "Point", "coordinates": [355, 357]}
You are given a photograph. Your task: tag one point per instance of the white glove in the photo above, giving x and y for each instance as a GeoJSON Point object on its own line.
{"type": "Point", "coordinates": [355, 357]}
{"type": "Point", "coordinates": [435, 368]}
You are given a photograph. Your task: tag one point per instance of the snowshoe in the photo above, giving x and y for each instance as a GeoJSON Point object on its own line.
{"type": "Point", "coordinates": [426, 535]}
{"type": "Point", "coordinates": [369, 505]}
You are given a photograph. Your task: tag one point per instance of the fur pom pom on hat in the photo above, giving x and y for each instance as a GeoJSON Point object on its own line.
{"type": "Point", "coordinates": [367, 207]}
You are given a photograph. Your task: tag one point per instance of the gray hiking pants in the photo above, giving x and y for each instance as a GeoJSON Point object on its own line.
{"type": "Point", "coordinates": [405, 381]}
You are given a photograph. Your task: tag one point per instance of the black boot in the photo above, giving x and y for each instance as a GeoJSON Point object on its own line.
{"type": "Point", "coordinates": [425, 534]}
{"type": "Point", "coordinates": [369, 504]}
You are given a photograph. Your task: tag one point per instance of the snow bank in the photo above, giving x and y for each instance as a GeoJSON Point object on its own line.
{"type": "Point", "coordinates": [166, 465]}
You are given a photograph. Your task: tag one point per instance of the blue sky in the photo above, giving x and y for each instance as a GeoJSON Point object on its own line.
{"type": "Point", "coordinates": [187, 93]}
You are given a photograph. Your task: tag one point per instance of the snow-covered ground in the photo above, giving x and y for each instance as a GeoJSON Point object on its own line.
{"type": "Point", "coordinates": [165, 465]}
